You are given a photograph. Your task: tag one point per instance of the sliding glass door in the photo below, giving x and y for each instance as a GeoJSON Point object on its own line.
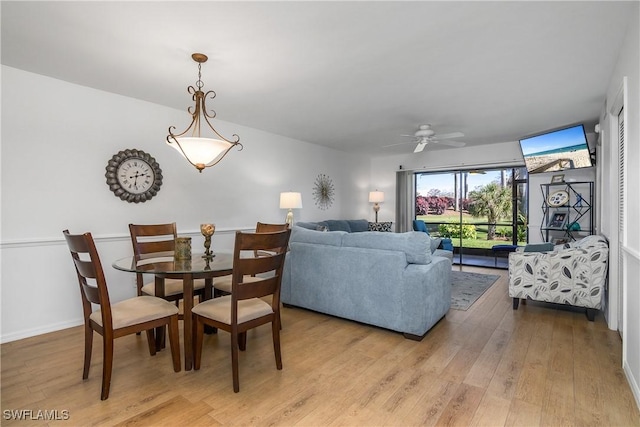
{"type": "Point", "coordinates": [477, 209]}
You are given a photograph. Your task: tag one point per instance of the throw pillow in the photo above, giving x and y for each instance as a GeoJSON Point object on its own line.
{"type": "Point", "coordinates": [539, 247]}
{"type": "Point", "coordinates": [358, 225]}
{"type": "Point", "coordinates": [380, 226]}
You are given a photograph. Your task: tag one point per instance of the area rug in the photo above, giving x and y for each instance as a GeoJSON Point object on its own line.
{"type": "Point", "coordinates": [466, 288]}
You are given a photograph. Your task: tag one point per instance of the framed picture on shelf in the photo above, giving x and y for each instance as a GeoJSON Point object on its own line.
{"type": "Point", "coordinates": [558, 220]}
{"type": "Point", "coordinates": [557, 179]}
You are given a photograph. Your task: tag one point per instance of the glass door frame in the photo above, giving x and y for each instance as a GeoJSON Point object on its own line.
{"type": "Point", "coordinates": [515, 176]}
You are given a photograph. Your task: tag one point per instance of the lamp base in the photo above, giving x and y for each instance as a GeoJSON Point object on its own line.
{"type": "Point", "coordinates": [289, 219]}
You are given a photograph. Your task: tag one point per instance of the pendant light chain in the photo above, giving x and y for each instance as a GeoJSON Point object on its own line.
{"type": "Point", "coordinates": [199, 83]}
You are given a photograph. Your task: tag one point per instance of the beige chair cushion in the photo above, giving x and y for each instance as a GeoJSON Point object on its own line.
{"type": "Point", "coordinates": [136, 310]}
{"type": "Point", "coordinates": [220, 309]}
{"type": "Point", "coordinates": [224, 283]}
{"type": "Point", "coordinates": [171, 287]}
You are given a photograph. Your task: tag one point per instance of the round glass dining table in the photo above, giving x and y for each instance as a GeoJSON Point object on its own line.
{"type": "Point", "coordinates": [187, 270]}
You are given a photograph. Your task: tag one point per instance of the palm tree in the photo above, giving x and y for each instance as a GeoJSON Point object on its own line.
{"type": "Point", "coordinates": [492, 201]}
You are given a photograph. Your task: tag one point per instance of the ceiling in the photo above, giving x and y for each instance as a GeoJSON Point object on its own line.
{"type": "Point", "coordinates": [349, 75]}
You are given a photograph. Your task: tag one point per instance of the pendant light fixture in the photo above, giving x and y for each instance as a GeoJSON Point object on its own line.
{"type": "Point", "coordinates": [201, 151]}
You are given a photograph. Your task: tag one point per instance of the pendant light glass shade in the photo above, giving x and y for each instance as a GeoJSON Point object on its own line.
{"type": "Point", "coordinates": [201, 151]}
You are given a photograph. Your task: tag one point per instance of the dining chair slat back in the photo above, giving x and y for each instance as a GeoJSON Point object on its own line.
{"type": "Point", "coordinates": [246, 307]}
{"type": "Point", "coordinates": [143, 313]}
{"type": "Point", "coordinates": [262, 227]}
{"type": "Point", "coordinates": [88, 267]}
{"type": "Point", "coordinates": [153, 241]}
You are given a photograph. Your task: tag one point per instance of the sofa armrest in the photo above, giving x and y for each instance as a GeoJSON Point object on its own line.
{"type": "Point", "coordinates": [426, 294]}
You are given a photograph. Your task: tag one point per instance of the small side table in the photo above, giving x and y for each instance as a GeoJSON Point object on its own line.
{"type": "Point", "coordinates": [501, 248]}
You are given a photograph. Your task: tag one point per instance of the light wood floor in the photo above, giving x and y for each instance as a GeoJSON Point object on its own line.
{"type": "Point", "coordinates": [489, 365]}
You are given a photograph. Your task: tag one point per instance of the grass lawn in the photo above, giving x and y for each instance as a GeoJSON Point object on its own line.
{"type": "Point", "coordinates": [480, 241]}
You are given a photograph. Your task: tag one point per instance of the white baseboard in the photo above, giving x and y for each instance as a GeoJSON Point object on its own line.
{"type": "Point", "coordinates": [15, 336]}
{"type": "Point", "coordinates": [633, 383]}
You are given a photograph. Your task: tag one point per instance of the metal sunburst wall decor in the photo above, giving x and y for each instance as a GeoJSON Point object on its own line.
{"type": "Point", "coordinates": [323, 192]}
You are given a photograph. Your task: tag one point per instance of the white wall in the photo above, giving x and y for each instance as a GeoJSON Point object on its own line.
{"type": "Point", "coordinates": [628, 66]}
{"type": "Point", "coordinates": [56, 140]}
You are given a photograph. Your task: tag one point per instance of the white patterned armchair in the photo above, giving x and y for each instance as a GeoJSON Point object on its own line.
{"type": "Point", "coordinates": [573, 274]}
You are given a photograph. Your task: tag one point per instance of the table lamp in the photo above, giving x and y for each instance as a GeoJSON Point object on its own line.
{"type": "Point", "coordinates": [376, 197]}
{"type": "Point", "coordinates": [290, 200]}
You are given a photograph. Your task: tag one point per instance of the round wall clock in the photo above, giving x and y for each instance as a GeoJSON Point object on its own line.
{"type": "Point", "coordinates": [133, 176]}
{"type": "Point", "coordinates": [558, 198]}
{"type": "Point", "coordinates": [323, 192]}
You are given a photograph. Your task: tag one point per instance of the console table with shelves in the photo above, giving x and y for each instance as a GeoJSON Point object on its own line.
{"type": "Point", "coordinates": [567, 209]}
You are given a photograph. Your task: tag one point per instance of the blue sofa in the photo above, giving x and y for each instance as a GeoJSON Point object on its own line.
{"type": "Point", "coordinates": [390, 280]}
{"type": "Point", "coordinates": [348, 225]}
{"type": "Point", "coordinates": [439, 247]}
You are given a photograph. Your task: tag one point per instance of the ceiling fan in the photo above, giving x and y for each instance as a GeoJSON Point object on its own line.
{"type": "Point", "coordinates": [425, 135]}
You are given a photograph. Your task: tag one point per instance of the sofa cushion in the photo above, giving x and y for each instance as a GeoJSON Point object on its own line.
{"type": "Point", "coordinates": [414, 244]}
{"type": "Point", "coordinates": [380, 226]}
{"type": "Point", "coordinates": [318, 226]}
{"type": "Point", "coordinates": [435, 243]}
{"type": "Point", "coordinates": [358, 225]}
{"type": "Point", "coordinates": [307, 225]}
{"type": "Point", "coordinates": [444, 253]}
{"type": "Point", "coordinates": [338, 225]}
{"type": "Point", "coordinates": [304, 235]}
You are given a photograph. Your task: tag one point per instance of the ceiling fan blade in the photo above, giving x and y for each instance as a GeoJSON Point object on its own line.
{"type": "Point", "coordinates": [420, 147]}
{"type": "Point", "coordinates": [449, 135]}
{"type": "Point", "coordinates": [451, 143]}
{"type": "Point", "coordinates": [408, 136]}
{"type": "Point", "coordinates": [399, 143]}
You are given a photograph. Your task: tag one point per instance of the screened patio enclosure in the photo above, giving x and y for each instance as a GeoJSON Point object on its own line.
{"type": "Point", "coordinates": [478, 209]}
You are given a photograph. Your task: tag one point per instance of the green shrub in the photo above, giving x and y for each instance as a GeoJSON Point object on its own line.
{"type": "Point", "coordinates": [453, 230]}
{"type": "Point", "coordinates": [505, 232]}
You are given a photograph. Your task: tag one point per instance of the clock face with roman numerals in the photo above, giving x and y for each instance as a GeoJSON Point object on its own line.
{"type": "Point", "coordinates": [133, 176]}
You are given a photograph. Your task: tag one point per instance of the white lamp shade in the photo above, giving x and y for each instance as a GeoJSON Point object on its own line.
{"type": "Point", "coordinates": [376, 197]}
{"type": "Point", "coordinates": [290, 200]}
{"type": "Point", "coordinates": [201, 150]}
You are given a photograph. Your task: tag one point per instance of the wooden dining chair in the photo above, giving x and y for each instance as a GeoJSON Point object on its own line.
{"type": "Point", "coordinates": [223, 284]}
{"type": "Point", "coordinates": [158, 241]}
{"type": "Point", "coordinates": [142, 313]}
{"type": "Point", "coordinates": [245, 308]}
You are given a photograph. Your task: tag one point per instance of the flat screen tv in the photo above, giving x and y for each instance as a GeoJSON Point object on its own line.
{"type": "Point", "coordinates": [556, 150]}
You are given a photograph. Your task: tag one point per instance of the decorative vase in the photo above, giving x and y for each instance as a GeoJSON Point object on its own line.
{"type": "Point", "coordinates": [207, 231]}
{"type": "Point", "coordinates": [183, 248]}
